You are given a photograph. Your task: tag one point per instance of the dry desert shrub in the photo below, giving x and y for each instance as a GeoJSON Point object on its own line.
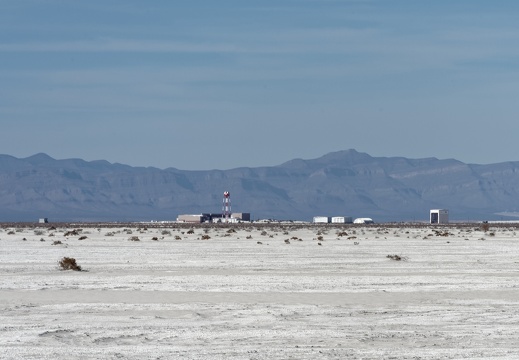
{"type": "Point", "coordinates": [74, 232]}
{"type": "Point", "coordinates": [442, 233]}
{"type": "Point", "coordinates": [67, 263]}
{"type": "Point", "coordinates": [230, 231]}
{"type": "Point", "coordinates": [205, 237]}
{"type": "Point", "coordinates": [177, 237]}
{"type": "Point", "coordinates": [134, 238]}
{"type": "Point", "coordinates": [82, 238]}
{"type": "Point", "coordinates": [39, 232]}
{"type": "Point", "coordinates": [155, 238]}
{"type": "Point", "coordinates": [111, 233]}
{"type": "Point", "coordinates": [485, 227]}
{"type": "Point", "coordinates": [191, 231]}
{"type": "Point", "coordinates": [166, 232]}
{"type": "Point", "coordinates": [57, 242]}
{"type": "Point", "coordinates": [397, 257]}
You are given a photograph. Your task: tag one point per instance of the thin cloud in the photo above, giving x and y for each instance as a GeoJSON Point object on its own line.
{"type": "Point", "coordinates": [150, 46]}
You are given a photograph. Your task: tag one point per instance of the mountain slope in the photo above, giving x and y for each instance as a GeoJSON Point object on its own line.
{"type": "Point", "coordinates": [340, 183]}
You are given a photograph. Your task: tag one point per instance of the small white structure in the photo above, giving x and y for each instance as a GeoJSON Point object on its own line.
{"type": "Point", "coordinates": [43, 221]}
{"type": "Point", "coordinates": [342, 220]}
{"type": "Point", "coordinates": [190, 218]}
{"type": "Point", "coordinates": [439, 216]}
{"type": "Point", "coordinates": [321, 220]}
{"type": "Point", "coordinates": [363, 221]}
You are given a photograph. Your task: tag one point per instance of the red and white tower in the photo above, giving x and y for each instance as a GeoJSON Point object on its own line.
{"type": "Point", "coordinates": [226, 208]}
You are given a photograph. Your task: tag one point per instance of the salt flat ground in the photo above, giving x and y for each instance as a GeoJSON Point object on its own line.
{"type": "Point", "coordinates": [250, 295]}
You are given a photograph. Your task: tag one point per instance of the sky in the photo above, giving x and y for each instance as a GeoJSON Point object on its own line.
{"type": "Point", "coordinates": [204, 84]}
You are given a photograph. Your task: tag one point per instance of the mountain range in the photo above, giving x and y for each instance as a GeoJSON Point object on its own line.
{"type": "Point", "coordinates": [343, 183]}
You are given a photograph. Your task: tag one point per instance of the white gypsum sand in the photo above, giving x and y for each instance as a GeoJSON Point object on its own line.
{"type": "Point", "coordinates": [260, 292]}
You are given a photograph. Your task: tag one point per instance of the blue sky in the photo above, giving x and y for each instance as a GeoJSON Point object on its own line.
{"type": "Point", "coordinates": [222, 84]}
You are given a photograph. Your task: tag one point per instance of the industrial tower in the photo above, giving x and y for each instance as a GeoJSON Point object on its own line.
{"type": "Point", "coordinates": [226, 208]}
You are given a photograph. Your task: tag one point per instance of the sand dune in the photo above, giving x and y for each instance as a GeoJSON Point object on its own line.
{"type": "Point", "coordinates": [268, 292]}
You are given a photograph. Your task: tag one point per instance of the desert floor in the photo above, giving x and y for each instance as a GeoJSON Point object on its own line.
{"type": "Point", "coordinates": [259, 292]}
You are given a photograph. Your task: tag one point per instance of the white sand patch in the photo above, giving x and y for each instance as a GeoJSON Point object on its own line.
{"type": "Point", "coordinates": [454, 296]}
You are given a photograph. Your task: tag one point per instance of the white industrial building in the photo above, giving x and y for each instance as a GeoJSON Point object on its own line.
{"type": "Point", "coordinates": [201, 218]}
{"type": "Point", "coordinates": [185, 218]}
{"type": "Point", "coordinates": [321, 219]}
{"type": "Point", "coordinates": [342, 220]}
{"type": "Point", "coordinates": [439, 216]}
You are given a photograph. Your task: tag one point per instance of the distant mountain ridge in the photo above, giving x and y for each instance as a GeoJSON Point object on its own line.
{"type": "Point", "coordinates": [346, 183]}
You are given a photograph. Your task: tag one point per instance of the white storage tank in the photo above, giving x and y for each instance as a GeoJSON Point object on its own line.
{"type": "Point", "coordinates": [363, 221]}
{"type": "Point", "coordinates": [321, 219]}
{"type": "Point", "coordinates": [342, 220]}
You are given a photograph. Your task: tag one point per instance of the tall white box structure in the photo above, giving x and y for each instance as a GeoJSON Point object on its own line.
{"type": "Point", "coordinates": [439, 216]}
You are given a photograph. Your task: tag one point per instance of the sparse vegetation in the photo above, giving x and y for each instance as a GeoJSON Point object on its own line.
{"type": "Point", "coordinates": [484, 227]}
{"type": "Point", "coordinates": [397, 257]}
{"type": "Point", "coordinates": [68, 263]}
{"type": "Point", "coordinates": [134, 238]}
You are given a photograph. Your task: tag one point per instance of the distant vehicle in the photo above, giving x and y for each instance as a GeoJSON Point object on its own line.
{"type": "Point", "coordinates": [363, 221]}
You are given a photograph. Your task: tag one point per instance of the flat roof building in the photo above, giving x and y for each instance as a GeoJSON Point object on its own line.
{"type": "Point", "coordinates": [342, 220]}
{"type": "Point", "coordinates": [439, 216]}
